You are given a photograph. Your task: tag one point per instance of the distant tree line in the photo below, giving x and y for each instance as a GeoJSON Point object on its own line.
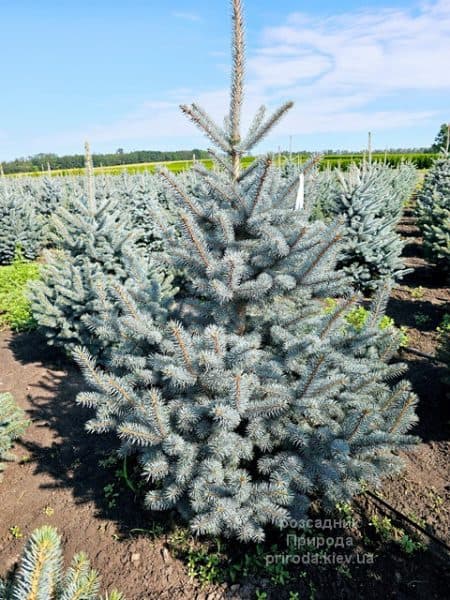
{"type": "Point", "coordinates": [421, 157]}
{"type": "Point", "coordinates": [42, 162]}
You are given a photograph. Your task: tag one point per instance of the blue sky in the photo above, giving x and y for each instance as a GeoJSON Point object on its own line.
{"type": "Point", "coordinates": [114, 72]}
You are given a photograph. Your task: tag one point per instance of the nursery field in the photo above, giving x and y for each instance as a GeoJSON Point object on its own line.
{"type": "Point", "coordinates": [227, 383]}
{"type": "Point", "coordinates": [420, 160]}
{"type": "Point", "coordinates": [175, 166]}
{"type": "Point", "coordinates": [70, 479]}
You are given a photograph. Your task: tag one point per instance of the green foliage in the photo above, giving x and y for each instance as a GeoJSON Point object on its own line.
{"type": "Point", "coordinates": [389, 533]}
{"type": "Point", "coordinates": [417, 293]}
{"type": "Point", "coordinates": [421, 318]}
{"type": "Point", "coordinates": [442, 139]}
{"type": "Point", "coordinates": [111, 495]}
{"type": "Point", "coordinates": [12, 426]}
{"type": "Point", "coordinates": [204, 566]}
{"type": "Point", "coordinates": [16, 532]}
{"type": "Point", "coordinates": [444, 327]}
{"type": "Point", "coordinates": [214, 562]}
{"type": "Point", "coordinates": [420, 160]}
{"type": "Point", "coordinates": [41, 163]}
{"type": "Point", "coordinates": [145, 168]}
{"type": "Point", "coordinates": [409, 545]}
{"type": "Point", "coordinates": [40, 573]}
{"type": "Point", "coordinates": [15, 310]}
{"type": "Point", "coordinates": [357, 318]}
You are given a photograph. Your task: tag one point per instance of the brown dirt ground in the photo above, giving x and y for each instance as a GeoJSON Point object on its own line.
{"type": "Point", "coordinates": [59, 470]}
{"type": "Point", "coordinates": [424, 489]}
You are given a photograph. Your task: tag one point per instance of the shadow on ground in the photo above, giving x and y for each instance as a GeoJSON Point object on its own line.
{"type": "Point", "coordinates": [71, 457]}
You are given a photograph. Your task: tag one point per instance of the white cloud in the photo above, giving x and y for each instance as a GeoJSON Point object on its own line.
{"type": "Point", "coordinates": [383, 51]}
{"type": "Point", "coordinates": [352, 121]}
{"type": "Point", "coordinates": [187, 16]}
{"type": "Point", "coordinates": [346, 73]}
{"type": "Point", "coordinates": [361, 66]}
{"type": "Point", "coordinates": [272, 71]}
{"type": "Point", "coordinates": [352, 72]}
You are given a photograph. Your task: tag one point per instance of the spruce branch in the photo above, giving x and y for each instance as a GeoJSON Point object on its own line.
{"type": "Point", "coordinates": [201, 250]}
{"type": "Point", "coordinates": [200, 118]}
{"type": "Point", "coordinates": [90, 181]}
{"type": "Point", "coordinates": [402, 388]}
{"type": "Point", "coordinates": [125, 299]}
{"type": "Point", "coordinates": [215, 337]}
{"type": "Point", "coordinates": [307, 166]}
{"type": "Point", "coordinates": [391, 348]}
{"type": "Point", "coordinates": [238, 379]}
{"type": "Point", "coordinates": [237, 85]}
{"type": "Point", "coordinates": [312, 375]}
{"type": "Point", "coordinates": [358, 424]}
{"type": "Point", "coordinates": [378, 306]}
{"type": "Point", "coordinates": [254, 125]}
{"type": "Point", "coordinates": [233, 198]}
{"type": "Point", "coordinates": [261, 182]}
{"type": "Point", "coordinates": [41, 576]}
{"type": "Point", "coordinates": [267, 126]}
{"type": "Point", "coordinates": [180, 193]}
{"type": "Point", "coordinates": [177, 334]}
{"type": "Point", "coordinates": [156, 402]}
{"type": "Point", "coordinates": [319, 256]}
{"type": "Point", "coordinates": [411, 400]}
{"type": "Point", "coordinates": [223, 161]}
{"type": "Point", "coordinates": [138, 435]}
{"type": "Point", "coordinates": [250, 169]}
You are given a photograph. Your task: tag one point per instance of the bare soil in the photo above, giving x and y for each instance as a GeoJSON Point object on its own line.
{"type": "Point", "coordinates": [62, 479]}
{"type": "Point", "coordinates": [59, 471]}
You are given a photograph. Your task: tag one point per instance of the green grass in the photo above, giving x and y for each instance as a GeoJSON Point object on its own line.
{"type": "Point", "coordinates": [175, 166]}
{"type": "Point", "coordinates": [14, 306]}
{"type": "Point", "coordinates": [358, 316]}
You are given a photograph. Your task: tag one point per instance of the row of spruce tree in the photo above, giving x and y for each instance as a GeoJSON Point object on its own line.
{"type": "Point", "coordinates": [196, 307]}
{"type": "Point", "coordinates": [369, 198]}
{"type": "Point", "coordinates": [433, 212]}
{"type": "Point", "coordinates": [433, 217]}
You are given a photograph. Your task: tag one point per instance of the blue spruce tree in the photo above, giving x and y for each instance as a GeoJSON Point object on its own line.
{"type": "Point", "coordinates": [91, 236]}
{"type": "Point", "coordinates": [370, 201]}
{"type": "Point", "coordinates": [143, 196]}
{"type": "Point", "coordinates": [20, 225]}
{"type": "Point", "coordinates": [404, 182]}
{"type": "Point", "coordinates": [41, 575]}
{"type": "Point", "coordinates": [433, 212]}
{"type": "Point", "coordinates": [243, 397]}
